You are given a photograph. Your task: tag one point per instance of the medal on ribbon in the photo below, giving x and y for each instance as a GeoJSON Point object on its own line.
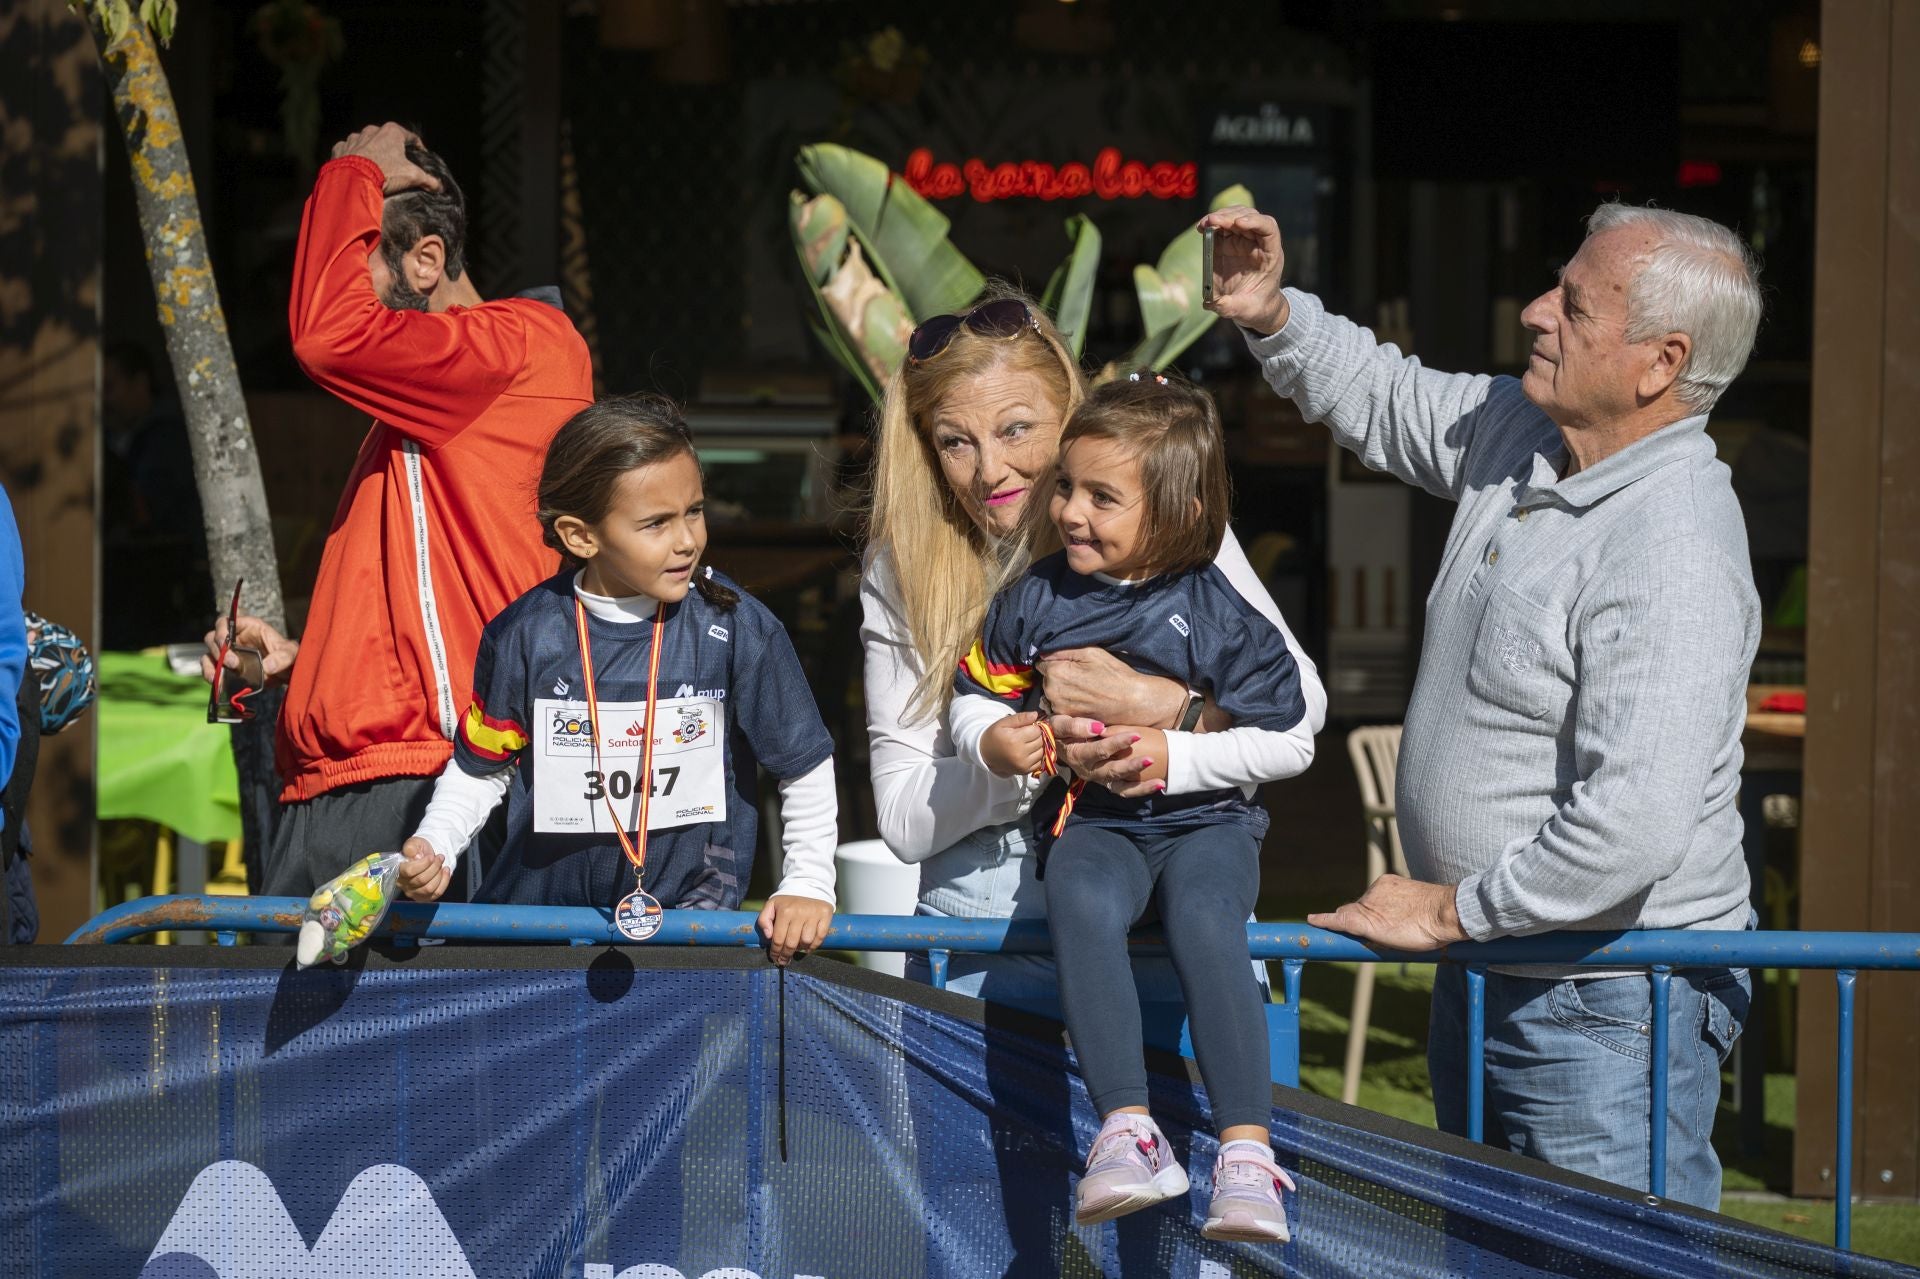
{"type": "Point", "coordinates": [637, 916]}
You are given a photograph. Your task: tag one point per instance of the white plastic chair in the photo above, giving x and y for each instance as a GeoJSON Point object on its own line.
{"type": "Point", "coordinates": [1375, 752]}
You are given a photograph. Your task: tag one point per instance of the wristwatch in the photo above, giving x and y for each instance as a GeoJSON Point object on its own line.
{"type": "Point", "coordinates": [1190, 718]}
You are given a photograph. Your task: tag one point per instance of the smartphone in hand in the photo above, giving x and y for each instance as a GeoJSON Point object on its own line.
{"type": "Point", "coordinates": [1206, 264]}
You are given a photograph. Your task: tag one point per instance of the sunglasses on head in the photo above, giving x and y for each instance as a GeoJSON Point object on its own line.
{"type": "Point", "coordinates": [1003, 318]}
{"type": "Point", "coordinates": [232, 686]}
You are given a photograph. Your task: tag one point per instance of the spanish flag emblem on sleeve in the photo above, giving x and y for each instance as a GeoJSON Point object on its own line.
{"type": "Point", "coordinates": [1002, 680]}
{"type": "Point", "coordinates": [492, 739]}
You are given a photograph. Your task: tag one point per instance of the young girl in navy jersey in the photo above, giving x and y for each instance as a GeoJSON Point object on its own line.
{"type": "Point", "coordinates": [1140, 504]}
{"type": "Point", "coordinates": [634, 633]}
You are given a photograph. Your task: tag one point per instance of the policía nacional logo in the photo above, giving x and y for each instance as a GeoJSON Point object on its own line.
{"type": "Point", "coordinates": [232, 1224]}
{"type": "Point", "coordinates": [570, 728]}
{"type": "Point", "coordinates": [693, 724]}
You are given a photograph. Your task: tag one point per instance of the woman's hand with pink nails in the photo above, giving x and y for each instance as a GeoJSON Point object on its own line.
{"type": "Point", "coordinates": [1141, 769]}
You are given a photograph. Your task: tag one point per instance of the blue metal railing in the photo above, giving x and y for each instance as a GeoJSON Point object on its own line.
{"type": "Point", "coordinates": [1293, 945]}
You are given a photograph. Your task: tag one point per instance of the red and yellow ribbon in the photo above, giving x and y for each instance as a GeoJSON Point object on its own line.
{"type": "Point", "coordinates": [634, 845]}
{"type": "Point", "coordinates": [1050, 767]}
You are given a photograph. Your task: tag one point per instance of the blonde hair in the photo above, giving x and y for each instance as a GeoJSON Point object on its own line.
{"type": "Point", "coordinates": [946, 567]}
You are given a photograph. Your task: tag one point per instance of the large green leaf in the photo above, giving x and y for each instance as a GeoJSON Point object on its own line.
{"type": "Point", "coordinates": [830, 337]}
{"type": "Point", "coordinates": [1069, 295]}
{"type": "Point", "coordinates": [1170, 296]}
{"type": "Point", "coordinates": [820, 232]}
{"type": "Point", "coordinates": [814, 234]}
{"type": "Point", "coordinates": [905, 238]}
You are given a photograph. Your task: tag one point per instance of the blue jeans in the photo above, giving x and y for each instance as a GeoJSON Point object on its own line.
{"type": "Point", "coordinates": [1567, 1070]}
{"type": "Point", "coordinates": [988, 874]}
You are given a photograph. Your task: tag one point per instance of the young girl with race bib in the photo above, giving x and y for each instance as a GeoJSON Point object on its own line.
{"type": "Point", "coordinates": [1140, 502]}
{"type": "Point", "coordinates": [635, 661]}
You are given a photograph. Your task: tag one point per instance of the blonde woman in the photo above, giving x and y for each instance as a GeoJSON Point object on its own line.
{"type": "Point", "coordinates": [969, 428]}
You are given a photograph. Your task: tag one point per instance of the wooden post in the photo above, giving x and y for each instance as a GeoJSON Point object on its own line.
{"type": "Point", "coordinates": [49, 395]}
{"type": "Point", "coordinates": [1863, 615]}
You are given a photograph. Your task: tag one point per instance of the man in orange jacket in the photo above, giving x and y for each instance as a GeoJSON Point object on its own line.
{"type": "Point", "coordinates": [436, 531]}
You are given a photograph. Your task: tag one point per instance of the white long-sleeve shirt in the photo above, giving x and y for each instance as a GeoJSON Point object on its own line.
{"type": "Point", "coordinates": [809, 803]}
{"type": "Point", "coordinates": [928, 798]}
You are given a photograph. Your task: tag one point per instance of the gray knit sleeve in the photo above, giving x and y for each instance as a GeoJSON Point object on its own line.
{"type": "Point", "coordinates": [1395, 414]}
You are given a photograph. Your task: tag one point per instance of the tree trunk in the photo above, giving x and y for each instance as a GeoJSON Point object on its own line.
{"type": "Point", "coordinates": [226, 466]}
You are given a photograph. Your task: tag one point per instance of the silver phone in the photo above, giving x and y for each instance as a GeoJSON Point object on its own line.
{"type": "Point", "coordinates": [1206, 264]}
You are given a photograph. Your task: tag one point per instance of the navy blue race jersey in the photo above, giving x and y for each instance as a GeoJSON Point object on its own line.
{"type": "Point", "coordinates": [1192, 626]}
{"type": "Point", "coordinates": [732, 696]}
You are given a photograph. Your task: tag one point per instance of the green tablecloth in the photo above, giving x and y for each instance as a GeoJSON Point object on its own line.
{"type": "Point", "coordinates": [159, 758]}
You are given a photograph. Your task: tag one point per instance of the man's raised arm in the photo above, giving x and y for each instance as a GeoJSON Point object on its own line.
{"type": "Point", "coordinates": [428, 374]}
{"type": "Point", "coordinates": [1395, 414]}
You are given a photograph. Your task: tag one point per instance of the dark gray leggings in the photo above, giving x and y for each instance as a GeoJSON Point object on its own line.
{"type": "Point", "coordinates": [1099, 884]}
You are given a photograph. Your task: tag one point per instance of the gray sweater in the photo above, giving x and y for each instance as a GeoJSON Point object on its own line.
{"type": "Point", "coordinates": [1572, 751]}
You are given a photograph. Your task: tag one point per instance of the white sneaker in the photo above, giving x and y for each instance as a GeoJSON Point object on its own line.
{"type": "Point", "coordinates": [1129, 1168]}
{"type": "Point", "coordinates": [1246, 1205]}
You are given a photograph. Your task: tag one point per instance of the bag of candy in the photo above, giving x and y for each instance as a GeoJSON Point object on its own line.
{"type": "Point", "coordinates": [346, 909]}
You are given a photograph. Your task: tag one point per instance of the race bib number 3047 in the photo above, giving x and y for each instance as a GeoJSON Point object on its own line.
{"type": "Point", "coordinates": [571, 789]}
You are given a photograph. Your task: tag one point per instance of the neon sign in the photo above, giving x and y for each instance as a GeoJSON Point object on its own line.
{"type": "Point", "coordinates": [1698, 173]}
{"type": "Point", "coordinates": [1111, 177]}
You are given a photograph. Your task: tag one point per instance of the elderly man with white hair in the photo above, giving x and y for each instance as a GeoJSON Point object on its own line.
{"type": "Point", "coordinates": [1571, 758]}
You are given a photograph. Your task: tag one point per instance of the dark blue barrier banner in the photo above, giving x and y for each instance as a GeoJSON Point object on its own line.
{"type": "Point", "coordinates": [652, 1114]}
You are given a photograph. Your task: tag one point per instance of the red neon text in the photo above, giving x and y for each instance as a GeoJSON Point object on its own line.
{"type": "Point", "coordinates": [1698, 173]}
{"type": "Point", "coordinates": [1110, 178]}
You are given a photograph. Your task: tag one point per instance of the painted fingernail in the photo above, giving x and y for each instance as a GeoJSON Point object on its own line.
{"type": "Point", "coordinates": [1133, 739]}
{"type": "Point", "coordinates": [1098, 728]}
{"type": "Point", "coordinates": [1146, 764]}
{"type": "Point", "coordinates": [1159, 786]}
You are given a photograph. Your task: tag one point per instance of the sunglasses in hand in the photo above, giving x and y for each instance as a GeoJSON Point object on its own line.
{"type": "Point", "coordinates": [233, 685]}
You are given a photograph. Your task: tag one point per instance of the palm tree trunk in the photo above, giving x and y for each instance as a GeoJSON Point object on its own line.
{"type": "Point", "coordinates": [226, 465]}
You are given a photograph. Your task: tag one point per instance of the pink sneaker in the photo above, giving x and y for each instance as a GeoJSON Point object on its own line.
{"type": "Point", "coordinates": [1246, 1204]}
{"type": "Point", "coordinates": [1129, 1168]}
